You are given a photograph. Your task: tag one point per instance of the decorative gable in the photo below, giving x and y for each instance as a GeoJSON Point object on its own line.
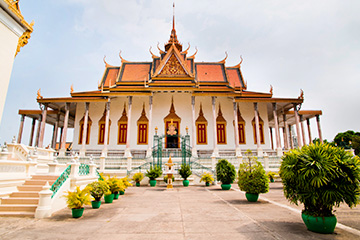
{"type": "Point", "coordinates": [172, 67]}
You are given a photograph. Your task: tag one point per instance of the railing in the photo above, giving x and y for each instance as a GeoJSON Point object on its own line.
{"type": "Point", "coordinates": [198, 169]}
{"type": "Point", "coordinates": [141, 168]}
{"type": "Point", "coordinates": [60, 180]}
{"type": "Point", "coordinates": [84, 169]}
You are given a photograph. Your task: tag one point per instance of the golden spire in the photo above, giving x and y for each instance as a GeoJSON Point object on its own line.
{"type": "Point", "coordinates": [173, 38]}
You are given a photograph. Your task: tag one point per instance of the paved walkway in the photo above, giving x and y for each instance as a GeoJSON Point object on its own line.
{"type": "Point", "coordinates": [195, 212]}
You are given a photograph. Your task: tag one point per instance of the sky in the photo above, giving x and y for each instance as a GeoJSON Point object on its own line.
{"type": "Point", "coordinates": [291, 45]}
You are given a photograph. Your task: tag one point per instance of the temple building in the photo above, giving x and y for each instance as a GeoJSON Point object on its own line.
{"type": "Point", "coordinates": [167, 100]}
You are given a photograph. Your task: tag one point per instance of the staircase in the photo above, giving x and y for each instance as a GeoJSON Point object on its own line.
{"type": "Point", "coordinates": [25, 201]}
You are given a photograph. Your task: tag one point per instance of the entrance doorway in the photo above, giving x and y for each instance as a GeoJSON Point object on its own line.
{"type": "Point", "coordinates": [172, 134]}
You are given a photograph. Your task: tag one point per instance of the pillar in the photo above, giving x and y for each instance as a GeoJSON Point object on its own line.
{"type": "Point", "coordinates": [319, 128]}
{"type": "Point", "coordinates": [64, 130]}
{"type": "Point", "coordinates": [149, 151]}
{"type": "Point", "coordinates": [271, 138]}
{"type": "Point", "coordinates": [302, 129]}
{"type": "Point", "coordinates": [55, 132]}
{"type": "Point", "coordinates": [291, 138]}
{"type": "Point", "coordinates": [84, 136]}
{"type": "Point", "coordinates": [21, 127]}
{"type": "Point", "coordinates": [277, 131]}
{"type": "Point", "coordinates": [128, 132]}
{"type": "Point", "coordinates": [42, 129]}
{"type": "Point", "coordinates": [257, 130]}
{"type": "Point", "coordinates": [297, 122]}
{"type": "Point", "coordinates": [216, 150]}
{"type": "Point", "coordinates": [32, 131]}
{"type": "Point", "coordinates": [106, 135]}
{"type": "Point", "coordinates": [286, 133]}
{"type": "Point", "coordinates": [61, 134]}
{"type": "Point", "coordinates": [309, 130]}
{"type": "Point", "coordinates": [193, 127]}
{"type": "Point", "coordinates": [236, 129]}
{"type": "Point", "coordinates": [38, 132]}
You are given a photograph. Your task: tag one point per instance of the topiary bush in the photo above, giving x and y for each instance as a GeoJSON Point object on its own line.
{"type": "Point", "coordinates": [252, 177]}
{"type": "Point", "coordinates": [321, 176]}
{"type": "Point", "coordinates": [185, 171]}
{"type": "Point", "coordinates": [98, 189]}
{"type": "Point", "coordinates": [154, 172]}
{"type": "Point", "coordinates": [225, 172]}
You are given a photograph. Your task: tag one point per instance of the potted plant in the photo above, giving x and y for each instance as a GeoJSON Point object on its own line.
{"type": "Point", "coordinates": [127, 183]}
{"type": "Point", "coordinates": [271, 176]}
{"type": "Point", "coordinates": [97, 190]}
{"type": "Point", "coordinates": [252, 179]}
{"type": "Point", "coordinates": [153, 173]}
{"type": "Point", "coordinates": [225, 173]}
{"type": "Point", "coordinates": [76, 200]}
{"type": "Point", "coordinates": [320, 176]}
{"type": "Point", "coordinates": [115, 186]}
{"type": "Point", "coordinates": [185, 172]}
{"type": "Point", "coordinates": [137, 178]}
{"type": "Point", "coordinates": [207, 178]}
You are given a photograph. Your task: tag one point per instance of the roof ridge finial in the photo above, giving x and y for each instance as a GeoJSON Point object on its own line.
{"type": "Point", "coordinates": [173, 15]}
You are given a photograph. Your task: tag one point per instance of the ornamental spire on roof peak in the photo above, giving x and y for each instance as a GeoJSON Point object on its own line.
{"type": "Point", "coordinates": [173, 38]}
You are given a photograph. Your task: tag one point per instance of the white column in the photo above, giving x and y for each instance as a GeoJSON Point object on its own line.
{"type": "Point", "coordinates": [271, 138]}
{"type": "Point", "coordinates": [42, 129]}
{"type": "Point", "coordinates": [149, 150]}
{"type": "Point", "coordinates": [55, 131]}
{"type": "Point", "coordinates": [319, 128]}
{"type": "Point", "coordinates": [302, 129]}
{"type": "Point", "coordinates": [236, 129]}
{"type": "Point", "coordinates": [21, 128]}
{"type": "Point", "coordinates": [32, 131]}
{"type": "Point", "coordinates": [257, 130]}
{"type": "Point", "coordinates": [309, 130]}
{"type": "Point", "coordinates": [128, 131]}
{"type": "Point", "coordinates": [38, 132]}
{"type": "Point", "coordinates": [84, 135]}
{"type": "Point", "coordinates": [286, 133]}
{"type": "Point", "coordinates": [193, 127]}
{"type": "Point", "coordinates": [64, 131]}
{"type": "Point", "coordinates": [298, 134]}
{"type": "Point", "coordinates": [216, 150]}
{"type": "Point", "coordinates": [106, 135]}
{"type": "Point", "coordinates": [277, 132]}
{"type": "Point", "coordinates": [291, 138]}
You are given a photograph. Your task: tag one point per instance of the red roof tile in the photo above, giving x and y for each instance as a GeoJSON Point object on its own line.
{"type": "Point", "coordinates": [135, 72]}
{"type": "Point", "coordinates": [208, 72]}
{"type": "Point", "coordinates": [111, 77]}
{"type": "Point", "coordinates": [234, 77]}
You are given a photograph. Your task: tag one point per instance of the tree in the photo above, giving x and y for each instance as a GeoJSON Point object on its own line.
{"type": "Point", "coordinates": [348, 140]}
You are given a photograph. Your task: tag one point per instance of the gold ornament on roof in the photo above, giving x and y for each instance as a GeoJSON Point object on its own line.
{"type": "Point", "coordinates": [39, 94]}
{"type": "Point", "coordinates": [72, 88]}
{"type": "Point", "coordinates": [301, 94]}
{"type": "Point", "coordinates": [173, 67]}
{"type": "Point", "coordinates": [24, 39]}
{"type": "Point", "coordinates": [271, 89]}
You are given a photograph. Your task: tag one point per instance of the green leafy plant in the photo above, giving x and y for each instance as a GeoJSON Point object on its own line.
{"type": "Point", "coordinates": [225, 172]}
{"type": "Point", "coordinates": [252, 177]}
{"type": "Point", "coordinates": [185, 171]}
{"type": "Point", "coordinates": [98, 189]}
{"type": "Point", "coordinates": [138, 177]}
{"type": "Point", "coordinates": [166, 178]}
{"type": "Point", "coordinates": [78, 198]}
{"type": "Point", "coordinates": [321, 176]}
{"type": "Point", "coordinates": [115, 184]}
{"type": "Point", "coordinates": [126, 182]}
{"type": "Point", "coordinates": [207, 177]}
{"type": "Point", "coordinates": [154, 172]}
{"type": "Point", "coordinates": [271, 175]}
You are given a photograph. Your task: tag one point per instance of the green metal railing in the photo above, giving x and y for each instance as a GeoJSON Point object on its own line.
{"type": "Point", "coordinates": [141, 168]}
{"type": "Point", "coordinates": [60, 180]}
{"type": "Point", "coordinates": [84, 169]}
{"type": "Point", "coordinates": [198, 169]}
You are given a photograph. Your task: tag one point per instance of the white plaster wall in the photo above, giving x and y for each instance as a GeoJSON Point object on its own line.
{"type": "Point", "coordinates": [161, 108]}
{"type": "Point", "coordinates": [10, 32]}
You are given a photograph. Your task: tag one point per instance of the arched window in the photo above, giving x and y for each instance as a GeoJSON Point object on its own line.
{"type": "Point", "coordinates": [143, 124]}
{"type": "Point", "coordinates": [220, 128]}
{"type": "Point", "coordinates": [241, 127]}
{"type": "Point", "coordinates": [101, 137]}
{"type": "Point", "coordinates": [122, 127]}
{"type": "Point", "coordinates": [261, 130]}
{"type": "Point", "coordinates": [81, 130]}
{"type": "Point", "coordinates": [201, 125]}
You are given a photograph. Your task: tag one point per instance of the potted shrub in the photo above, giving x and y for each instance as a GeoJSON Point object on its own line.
{"type": "Point", "coordinates": [271, 176]}
{"type": "Point", "coordinates": [207, 178]}
{"type": "Point", "coordinates": [137, 178]}
{"type": "Point", "coordinates": [252, 179]}
{"type": "Point", "coordinates": [185, 172]}
{"type": "Point", "coordinates": [115, 186]}
{"type": "Point", "coordinates": [225, 173]}
{"type": "Point", "coordinates": [320, 176]}
{"type": "Point", "coordinates": [76, 200]}
{"type": "Point", "coordinates": [153, 173]}
{"type": "Point", "coordinates": [97, 190]}
{"type": "Point", "coordinates": [127, 183]}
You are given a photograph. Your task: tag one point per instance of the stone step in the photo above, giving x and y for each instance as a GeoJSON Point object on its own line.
{"type": "Point", "coordinates": [44, 177]}
{"type": "Point", "coordinates": [17, 214]}
{"type": "Point", "coordinates": [22, 194]}
{"type": "Point", "coordinates": [38, 182]}
{"type": "Point", "coordinates": [33, 188]}
{"type": "Point", "coordinates": [26, 201]}
{"type": "Point", "coordinates": [18, 208]}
